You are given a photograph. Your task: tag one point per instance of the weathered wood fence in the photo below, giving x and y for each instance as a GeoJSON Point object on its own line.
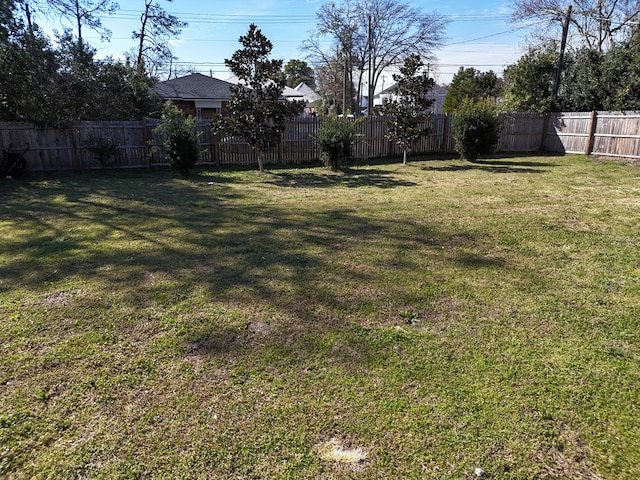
{"type": "Point", "coordinates": [602, 133]}
{"type": "Point", "coordinates": [611, 134]}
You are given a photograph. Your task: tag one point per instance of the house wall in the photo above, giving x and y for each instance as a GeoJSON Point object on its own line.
{"type": "Point", "coordinates": [187, 107]}
{"type": "Point", "coordinates": [203, 110]}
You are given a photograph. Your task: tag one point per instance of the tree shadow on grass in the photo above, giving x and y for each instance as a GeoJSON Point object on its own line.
{"type": "Point", "coordinates": [494, 166]}
{"type": "Point", "coordinates": [165, 244]}
{"type": "Point", "coordinates": [351, 178]}
{"type": "Point", "coordinates": [480, 261]}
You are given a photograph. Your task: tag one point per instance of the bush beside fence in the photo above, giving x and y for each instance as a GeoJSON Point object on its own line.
{"type": "Point", "coordinates": [602, 133]}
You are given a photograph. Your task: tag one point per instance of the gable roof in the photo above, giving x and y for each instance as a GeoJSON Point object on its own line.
{"type": "Point", "coordinates": [288, 92]}
{"type": "Point", "coordinates": [194, 87]}
{"type": "Point", "coordinates": [310, 96]}
{"type": "Point", "coordinates": [437, 90]}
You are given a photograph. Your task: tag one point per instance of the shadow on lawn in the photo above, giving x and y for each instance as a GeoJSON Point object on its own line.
{"type": "Point", "coordinates": [156, 243]}
{"type": "Point", "coordinates": [352, 178]}
{"type": "Point", "coordinates": [495, 166]}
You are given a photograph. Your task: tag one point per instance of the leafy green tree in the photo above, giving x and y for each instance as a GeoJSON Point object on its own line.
{"type": "Point", "coordinates": [7, 8]}
{"type": "Point", "coordinates": [476, 127]}
{"type": "Point", "coordinates": [177, 138]}
{"type": "Point", "coordinates": [256, 110]}
{"type": "Point", "coordinates": [528, 84]}
{"type": "Point", "coordinates": [582, 88]}
{"type": "Point", "coordinates": [28, 73]}
{"type": "Point", "coordinates": [92, 89]}
{"type": "Point", "coordinates": [298, 71]}
{"type": "Point", "coordinates": [406, 115]}
{"type": "Point", "coordinates": [125, 94]}
{"type": "Point", "coordinates": [50, 87]}
{"type": "Point", "coordinates": [621, 76]}
{"type": "Point", "coordinates": [471, 84]}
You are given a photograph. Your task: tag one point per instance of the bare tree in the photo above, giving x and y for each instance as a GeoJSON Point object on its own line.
{"type": "Point", "coordinates": [86, 12]}
{"type": "Point", "coordinates": [157, 27]}
{"type": "Point", "coordinates": [374, 35]}
{"type": "Point", "coordinates": [596, 24]}
{"type": "Point", "coordinates": [81, 12]}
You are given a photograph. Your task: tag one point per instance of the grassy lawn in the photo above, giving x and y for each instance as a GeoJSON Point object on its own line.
{"type": "Point", "coordinates": [389, 322]}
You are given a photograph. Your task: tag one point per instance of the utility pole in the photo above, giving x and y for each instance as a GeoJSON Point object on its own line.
{"type": "Point", "coordinates": [344, 86]}
{"type": "Point", "coordinates": [370, 91]}
{"type": "Point", "coordinates": [556, 82]}
{"type": "Point", "coordinates": [563, 44]}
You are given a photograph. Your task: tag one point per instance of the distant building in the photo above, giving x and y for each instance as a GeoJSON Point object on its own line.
{"type": "Point", "coordinates": [309, 96]}
{"type": "Point", "coordinates": [287, 94]}
{"type": "Point", "coordinates": [197, 95]}
{"type": "Point", "coordinates": [438, 92]}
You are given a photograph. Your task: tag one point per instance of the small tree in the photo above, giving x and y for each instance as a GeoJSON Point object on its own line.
{"type": "Point", "coordinates": [256, 110]}
{"type": "Point", "coordinates": [406, 116]}
{"type": "Point", "coordinates": [476, 127]}
{"type": "Point", "coordinates": [177, 138]}
{"type": "Point", "coordinates": [335, 139]}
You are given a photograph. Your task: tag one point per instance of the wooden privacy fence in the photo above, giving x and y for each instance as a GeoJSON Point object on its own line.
{"type": "Point", "coordinates": [602, 133]}
{"type": "Point", "coordinates": [611, 134]}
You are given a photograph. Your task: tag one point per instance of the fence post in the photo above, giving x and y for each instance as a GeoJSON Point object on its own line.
{"type": "Point", "coordinates": [592, 132]}
{"type": "Point", "coordinates": [75, 154]}
{"type": "Point", "coordinates": [446, 133]}
{"type": "Point", "coordinates": [147, 138]}
{"type": "Point", "coordinates": [545, 130]}
{"type": "Point", "coordinates": [215, 148]}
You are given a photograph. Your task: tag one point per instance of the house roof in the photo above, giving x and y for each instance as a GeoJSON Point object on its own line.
{"type": "Point", "coordinates": [194, 87]}
{"type": "Point", "coordinates": [288, 92]}
{"type": "Point", "coordinates": [310, 96]}
{"type": "Point", "coordinates": [436, 90]}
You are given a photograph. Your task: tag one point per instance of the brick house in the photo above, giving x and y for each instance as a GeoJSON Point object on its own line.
{"type": "Point", "coordinates": [197, 95]}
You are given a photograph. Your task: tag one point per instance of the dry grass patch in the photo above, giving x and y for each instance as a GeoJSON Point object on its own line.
{"type": "Point", "coordinates": [334, 451]}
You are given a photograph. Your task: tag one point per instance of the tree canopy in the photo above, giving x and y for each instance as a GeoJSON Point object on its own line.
{"type": "Point", "coordinates": [471, 84]}
{"type": "Point", "coordinates": [298, 71]}
{"type": "Point", "coordinates": [590, 80]}
{"type": "Point", "coordinates": [528, 84]}
{"type": "Point", "coordinates": [56, 87]}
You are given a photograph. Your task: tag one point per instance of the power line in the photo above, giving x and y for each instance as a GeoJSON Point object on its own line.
{"type": "Point", "coordinates": [492, 35]}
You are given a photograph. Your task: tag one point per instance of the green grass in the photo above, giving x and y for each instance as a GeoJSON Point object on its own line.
{"type": "Point", "coordinates": [429, 319]}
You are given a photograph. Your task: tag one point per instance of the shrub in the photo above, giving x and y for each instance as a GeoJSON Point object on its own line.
{"type": "Point", "coordinates": [177, 138]}
{"type": "Point", "coordinates": [335, 139]}
{"type": "Point", "coordinates": [476, 127]}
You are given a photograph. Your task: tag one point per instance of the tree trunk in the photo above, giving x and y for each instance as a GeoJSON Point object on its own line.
{"type": "Point", "coordinates": [404, 156]}
{"type": "Point", "coordinates": [260, 162]}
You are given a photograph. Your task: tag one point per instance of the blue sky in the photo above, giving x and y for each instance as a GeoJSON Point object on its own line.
{"type": "Point", "coordinates": [479, 33]}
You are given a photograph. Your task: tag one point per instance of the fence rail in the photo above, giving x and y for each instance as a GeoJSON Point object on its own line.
{"type": "Point", "coordinates": [601, 133]}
